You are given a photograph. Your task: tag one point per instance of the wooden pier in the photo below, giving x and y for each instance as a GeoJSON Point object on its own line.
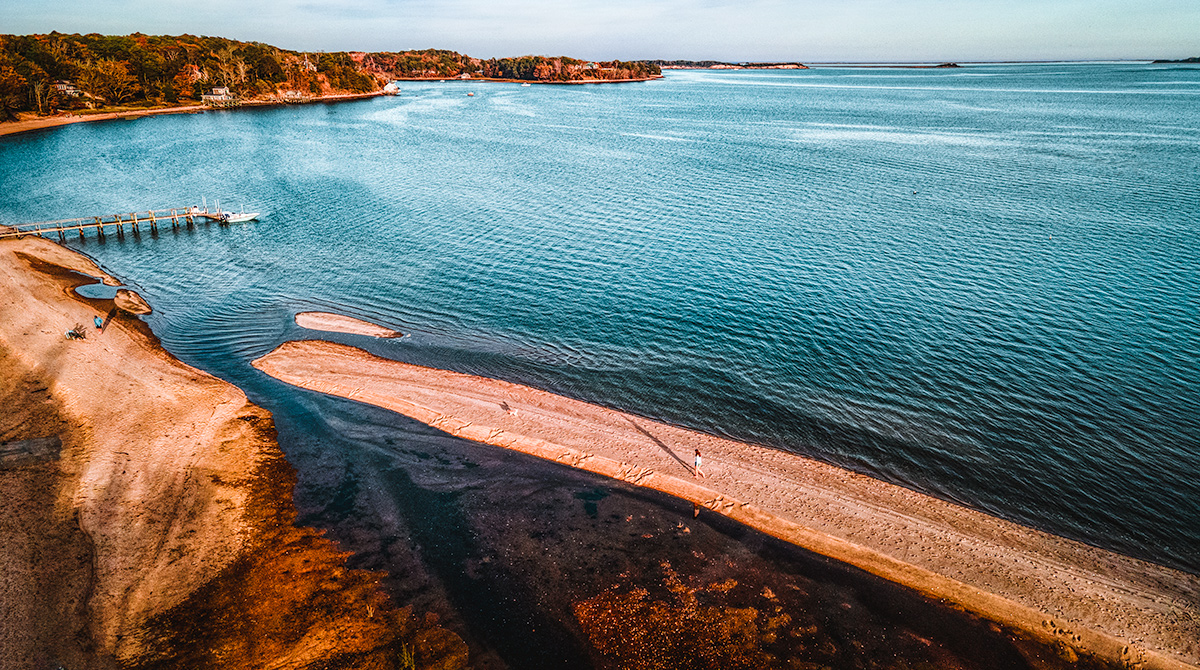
{"type": "Point", "coordinates": [116, 223]}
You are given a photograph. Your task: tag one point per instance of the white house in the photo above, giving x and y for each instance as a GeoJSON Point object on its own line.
{"type": "Point", "coordinates": [67, 89]}
{"type": "Point", "coordinates": [219, 96]}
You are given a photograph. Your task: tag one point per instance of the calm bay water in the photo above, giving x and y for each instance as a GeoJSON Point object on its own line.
{"type": "Point", "coordinates": [980, 283]}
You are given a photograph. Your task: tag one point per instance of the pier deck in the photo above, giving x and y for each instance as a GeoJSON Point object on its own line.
{"type": "Point", "coordinates": [116, 223]}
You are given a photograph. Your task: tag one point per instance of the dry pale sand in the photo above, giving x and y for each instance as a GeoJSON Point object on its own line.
{"type": "Point", "coordinates": [1074, 596]}
{"type": "Point", "coordinates": [146, 505]}
{"type": "Point", "coordinates": [143, 427]}
{"type": "Point", "coordinates": [338, 323]}
{"type": "Point", "coordinates": [28, 123]}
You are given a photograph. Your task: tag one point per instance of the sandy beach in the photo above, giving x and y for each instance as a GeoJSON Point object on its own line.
{"type": "Point", "coordinates": [42, 122]}
{"type": "Point", "coordinates": [26, 125]}
{"type": "Point", "coordinates": [1080, 599]}
{"type": "Point", "coordinates": [146, 516]}
{"type": "Point", "coordinates": [339, 323]}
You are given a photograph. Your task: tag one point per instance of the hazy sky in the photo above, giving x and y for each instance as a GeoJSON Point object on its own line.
{"type": "Point", "coordinates": [803, 30]}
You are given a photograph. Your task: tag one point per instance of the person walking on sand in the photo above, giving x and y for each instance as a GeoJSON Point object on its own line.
{"type": "Point", "coordinates": [699, 472]}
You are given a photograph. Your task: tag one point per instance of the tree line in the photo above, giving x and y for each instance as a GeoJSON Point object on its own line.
{"type": "Point", "coordinates": [46, 74]}
{"type": "Point", "coordinates": [50, 73]}
{"type": "Point", "coordinates": [438, 63]}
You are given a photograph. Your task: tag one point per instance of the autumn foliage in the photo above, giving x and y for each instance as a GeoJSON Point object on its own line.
{"type": "Point", "coordinates": [49, 73]}
{"type": "Point", "coordinates": [440, 64]}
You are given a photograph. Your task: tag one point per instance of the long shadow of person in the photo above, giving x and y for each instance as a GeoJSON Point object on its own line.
{"type": "Point", "coordinates": [111, 313]}
{"type": "Point", "coordinates": [659, 442]}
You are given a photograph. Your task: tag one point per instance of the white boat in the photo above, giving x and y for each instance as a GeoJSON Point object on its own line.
{"type": "Point", "coordinates": [526, 84]}
{"type": "Point", "coordinates": [222, 216]}
{"type": "Point", "coordinates": [235, 217]}
{"type": "Point", "coordinates": [231, 217]}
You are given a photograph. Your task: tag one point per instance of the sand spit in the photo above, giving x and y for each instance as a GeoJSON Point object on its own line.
{"type": "Point", "coordinates": [41, 122]}
{"type": "Point", "coordinates": [1081, 599]}
{"type": "Point", "coordinates": [145, 509]}
{"type": "Point", "coordinates": [33, 123]}
{"type": "Point", "coordinates": [337, 323]}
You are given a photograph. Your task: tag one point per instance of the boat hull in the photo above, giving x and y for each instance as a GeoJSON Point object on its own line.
{"type": "Point", "coordinates": [241, 218]}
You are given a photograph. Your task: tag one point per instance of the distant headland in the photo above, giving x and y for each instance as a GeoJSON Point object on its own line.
{"type": "Point", "coordinates": [58, 74]}
{"type": "Point", "coordinates": [1193, 59]}
{"type": "Point", "coordinates": [722, 65]}
{"type": "Point", "coordinates": [787, 65]}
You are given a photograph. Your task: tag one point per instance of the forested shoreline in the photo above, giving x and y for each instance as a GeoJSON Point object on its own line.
{"type": "Point", "coordinates": [49, 74]}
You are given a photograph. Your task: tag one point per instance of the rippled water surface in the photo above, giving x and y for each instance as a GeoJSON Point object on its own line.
{"type": "Point", "coordinates": [981, 283]}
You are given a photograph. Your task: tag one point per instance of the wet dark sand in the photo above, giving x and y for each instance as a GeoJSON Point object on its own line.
{"type": "Point", "coordinates": [43, 594]}
{"type": "Point", "coordinates": [1083, 600]}
{"type": "Point", "coordinates": [537, 565]}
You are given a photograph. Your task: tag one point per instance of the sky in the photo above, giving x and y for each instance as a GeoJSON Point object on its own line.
{"type": "Point", "coordinates": [728, 30]}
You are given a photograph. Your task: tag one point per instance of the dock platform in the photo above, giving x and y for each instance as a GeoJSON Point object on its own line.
{"type": "Point", "coordinates": [117, 223]}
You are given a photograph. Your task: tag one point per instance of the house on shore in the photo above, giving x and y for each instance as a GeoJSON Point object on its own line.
{"type": "Point", "coordinates": [295, 97]}
{"type": "Point", "coordinates": [220, 97]}
{"type": "Point", "coordinates": [67, 88]}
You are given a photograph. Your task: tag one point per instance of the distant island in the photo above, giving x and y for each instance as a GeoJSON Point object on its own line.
{"type": "Point", "coordinates": [1193, 59]}
{"type": "Point", "coordinates": [44, 75]}
{"type": "Point", "coordinates": [890, 66]}
{"type": "Point", "coordinates": [721, 65]}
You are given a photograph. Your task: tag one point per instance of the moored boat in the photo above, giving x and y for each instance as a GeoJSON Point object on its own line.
{"type": "Point", "coordinates": [232, 217]}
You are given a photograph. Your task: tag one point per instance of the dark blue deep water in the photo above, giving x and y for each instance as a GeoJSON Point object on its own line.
{"type": "Point", "coordinates": [981, 283]}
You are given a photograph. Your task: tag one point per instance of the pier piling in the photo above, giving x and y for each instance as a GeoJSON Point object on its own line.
{"type": "Point", "coordinates": [178, 216]}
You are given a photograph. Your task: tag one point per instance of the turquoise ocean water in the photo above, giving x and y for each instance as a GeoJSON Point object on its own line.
{"type": "Point", "coordinates": [980, 283]}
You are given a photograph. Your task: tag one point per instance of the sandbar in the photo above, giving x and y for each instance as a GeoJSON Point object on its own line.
{"type": "Point", "coordinates": [1081, 599]}
{"type": "Point", "coordinates": [145, 506]}
{"type": "Point", "coordinates": [339, 323]}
